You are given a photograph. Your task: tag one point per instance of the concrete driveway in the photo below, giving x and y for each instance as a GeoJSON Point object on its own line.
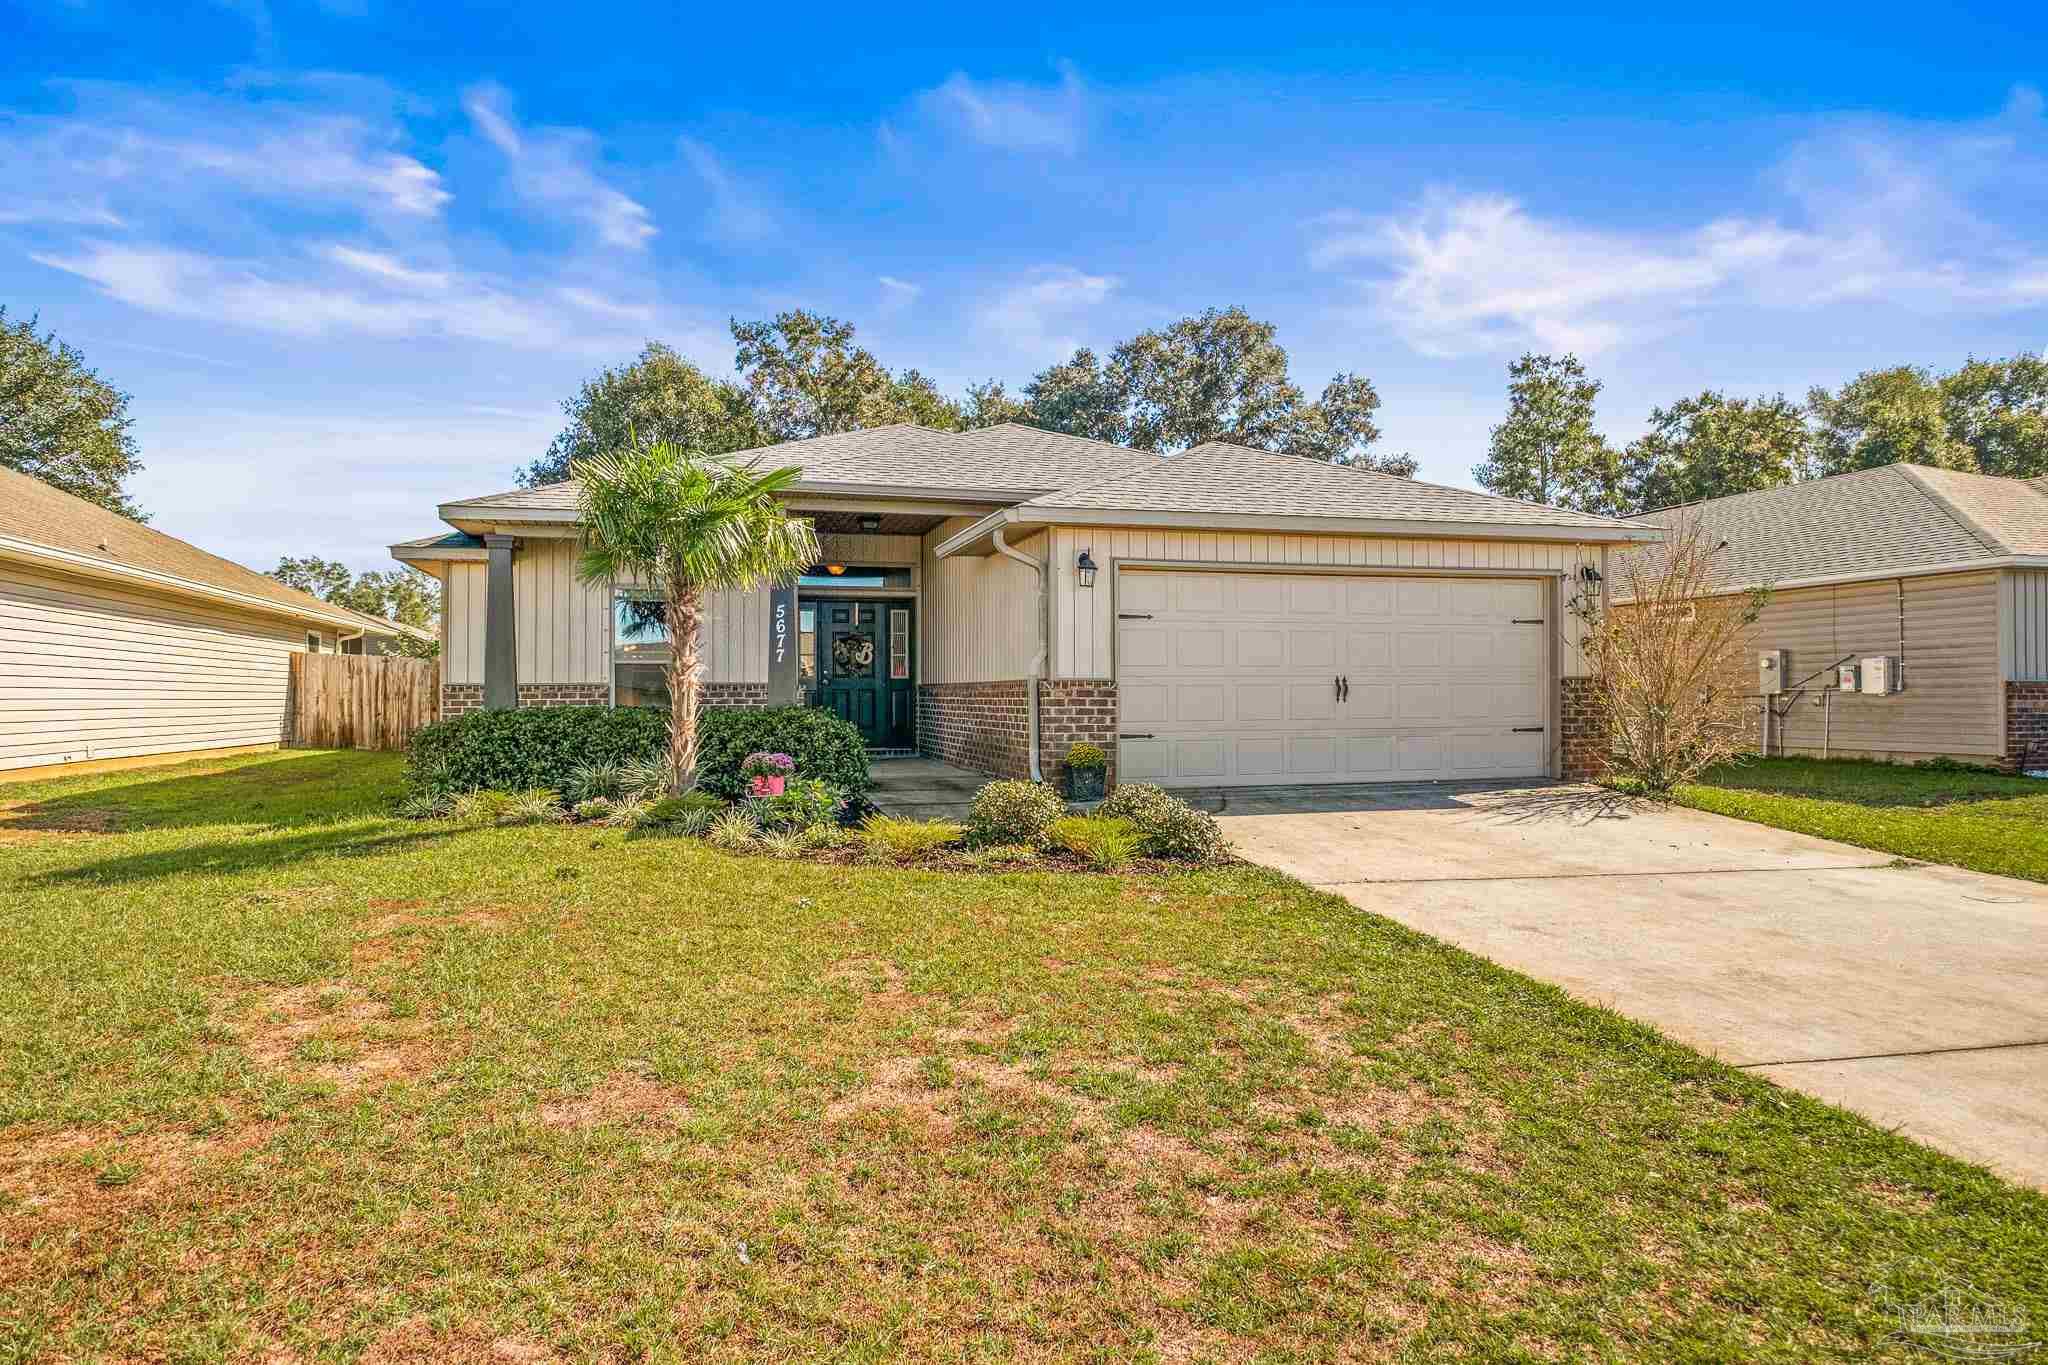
{"type": "Point", "coordinates": [1917, 996]}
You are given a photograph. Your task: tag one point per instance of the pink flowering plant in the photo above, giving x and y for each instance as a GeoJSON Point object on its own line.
{"type": "Point", "coordinates": [767, 765]}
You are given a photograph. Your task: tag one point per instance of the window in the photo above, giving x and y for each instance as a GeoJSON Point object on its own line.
{"type": "Point", "coordinates": [899, 642]}
{"type": "Point", "coordinates": [640, 649]}
{"type": "Point", "coordinates": [807, 647]}
{"type": "Point", "coordinates": [853, 576]}
{"type": "Point", "coordinates": [312, 642]}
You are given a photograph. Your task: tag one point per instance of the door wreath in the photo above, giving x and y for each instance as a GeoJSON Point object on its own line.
{"type": "Point", "coordinates": [852, 654]}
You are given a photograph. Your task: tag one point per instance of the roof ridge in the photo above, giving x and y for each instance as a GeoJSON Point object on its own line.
{"type": "Point", "coordinates": [1068, 435]}
{"type": "Point", "coordinates": [1982, 534]}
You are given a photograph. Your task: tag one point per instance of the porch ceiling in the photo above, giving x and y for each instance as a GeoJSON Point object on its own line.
{"type": "Point", "coordinates": [892, 523]}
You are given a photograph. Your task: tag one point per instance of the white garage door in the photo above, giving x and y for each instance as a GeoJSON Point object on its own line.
{"type": "Point", "coordinates": [1244, 679]}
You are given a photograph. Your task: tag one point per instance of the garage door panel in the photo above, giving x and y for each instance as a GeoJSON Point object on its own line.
{"type": "Point", "coordinates": [1261, 648]}
{"type": "Point", "coordinates": [1234, 677]}
{"type": "Point", "coordinates": [1312, 649]}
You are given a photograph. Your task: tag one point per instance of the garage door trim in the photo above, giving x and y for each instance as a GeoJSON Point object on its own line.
{"type": "Point", "coordinates": [1551, 578]}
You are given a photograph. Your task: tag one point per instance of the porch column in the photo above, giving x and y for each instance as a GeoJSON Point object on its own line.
{"type": "Point", "coordinates": [501, 648]}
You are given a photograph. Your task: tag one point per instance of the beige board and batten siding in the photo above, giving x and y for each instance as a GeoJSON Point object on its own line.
{"type": "Point", "coordinates": [89, 671]}
{"type": "Point", "coordinates": [1084, 619]}
{"type": "Point", "coordinates": [1953, 702]}
{"type": "Point", "coordinates": [980, 619]}
{"type": "Point", "coordinates": [2023, 632]}
{"type": "Point", "coordinates": [563, 627]}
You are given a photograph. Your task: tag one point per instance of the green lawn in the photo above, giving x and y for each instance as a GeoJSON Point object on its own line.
{"type": "Point", "coordinates": [283, 1078]}
{"type": "Point", "coordinates": [1976, 820]}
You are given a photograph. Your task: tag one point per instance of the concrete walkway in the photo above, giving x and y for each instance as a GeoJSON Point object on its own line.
{"type": "Point", "coordinates": [1915, 995]}
{"type": "Point", "coordinates": [923, 788]}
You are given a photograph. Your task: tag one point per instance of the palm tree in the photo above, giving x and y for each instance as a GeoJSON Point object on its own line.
{"type": "Point", "coordinates": [686, 524]}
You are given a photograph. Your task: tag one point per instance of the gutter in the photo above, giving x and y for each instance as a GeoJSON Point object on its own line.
{"type": "Point", "coordinates": [1040, 659]}
{"type": "Point", "coordinates": [1883, 575]}
{"type": "Point", "coordinates": [12, 547]}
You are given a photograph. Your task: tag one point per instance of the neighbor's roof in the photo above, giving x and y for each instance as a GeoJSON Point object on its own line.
{"type": "Point", "coordinates": [1226, 479]}
{"type": "Point", "coordinates": [87, 538]}
{"type": "Point", "coordinates": [996, 464]}
{"type": "Point", "coordinates": [1873, 523]}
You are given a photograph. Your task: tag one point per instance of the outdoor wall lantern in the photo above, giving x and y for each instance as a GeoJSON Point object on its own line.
{"type": "Point", "coordinates": [1588, 575]}
{"type": "Point", "coordinates": [1086, 565]}
{"type": "Point", "coordinates": [870, 523]}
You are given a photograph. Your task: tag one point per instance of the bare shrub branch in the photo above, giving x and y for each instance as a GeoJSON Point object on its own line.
{"type": "Point", "coordinates": [1671, 659]}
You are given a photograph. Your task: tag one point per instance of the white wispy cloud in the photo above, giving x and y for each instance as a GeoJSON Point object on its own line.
{"type": "Point", "coordinates": [590, 301]}
{"type": "Point", "coordinates": [122, 145]}
{"type": "Point", "coordinates": [897, 293]}
{"type": "Point", "coordinates": [736, 212]}
{"type": "Point", "coordinates": [384, 266]}
{"type": "Point", "coordinates": [1015, 116]}
{"type": "Point", "coordinates": [1908, 215]}
{"type": "Point", "coordinates": [1028, 315]}
{"type": "Point", "coordinates": [556, 169]}
{"type": "Point", "coordinates": [178, 283]}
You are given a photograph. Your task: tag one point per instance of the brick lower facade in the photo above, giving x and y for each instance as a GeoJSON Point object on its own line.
{"type": "Point", "coordinates": [459, 698]}
{"type": "Point", "coordinates": [983, 725]}
{"type": "Point", "coordinates": [1582, 730]}
{"type": "Point", "coordinates": [1075, 711]}
{"type": "Point", "coordinates": [2026, 726]}
{"type": "Point", "coordinates": [986, 726]}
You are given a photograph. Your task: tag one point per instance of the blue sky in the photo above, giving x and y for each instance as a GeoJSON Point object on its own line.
{"type": "Point", "coordinates": [349, 256]}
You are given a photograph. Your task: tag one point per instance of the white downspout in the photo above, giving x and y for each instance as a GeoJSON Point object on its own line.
{"type": "Point", "coordinates": [1038, 660]}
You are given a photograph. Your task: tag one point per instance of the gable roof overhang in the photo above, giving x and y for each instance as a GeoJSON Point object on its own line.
{"type": "Point", "coordinates": [110, 571]}
{"type": "Point", "coordinates": [979, 539]}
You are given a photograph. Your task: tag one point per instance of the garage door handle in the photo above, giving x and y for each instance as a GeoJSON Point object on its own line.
{"type": "Point", "coordinates": [1127, 734]}
{"type": "Point", "coordinates": [1527, 730]}
{"type": "Point", "coordinates": [1526, 621]}
{"type": "Point", "coordinates": [1134, 616]}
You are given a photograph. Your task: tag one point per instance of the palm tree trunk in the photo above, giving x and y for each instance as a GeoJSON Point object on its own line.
{"type": "Point", "coordinates": [685, 665]}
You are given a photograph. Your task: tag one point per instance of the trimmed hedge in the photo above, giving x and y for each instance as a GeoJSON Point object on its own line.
{"type": "Point", "coordinates": [825, 747]}
{"type": "Point", "coordinates": [545, 746]}
{"type": "Point", "coordinates": [540, 746]}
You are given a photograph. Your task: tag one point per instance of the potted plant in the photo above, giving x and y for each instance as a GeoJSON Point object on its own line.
{"type": "Point", "coordinates": [1087, 769]}
{"type": "Point", "coordinates": [767, 774]}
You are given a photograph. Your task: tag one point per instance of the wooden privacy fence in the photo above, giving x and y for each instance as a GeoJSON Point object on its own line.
{"type": "Point", "coordinates": [361, 701]}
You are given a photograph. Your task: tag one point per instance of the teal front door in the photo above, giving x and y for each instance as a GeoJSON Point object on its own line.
{"type": "Point", "coordinates": [864, 666]}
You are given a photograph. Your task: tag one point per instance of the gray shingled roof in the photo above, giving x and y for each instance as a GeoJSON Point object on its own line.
{"type": "Point", "coordinates": [1870, 523]}
{"type": "Point", "coordinates": [1005, 462]}
{"type": "Point", "coordinates": [1221, 478]}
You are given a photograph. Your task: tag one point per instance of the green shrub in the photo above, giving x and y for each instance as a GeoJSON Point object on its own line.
{"type": "Point", "coordinates": [535, 806]}
{"type": "Point", "coordinates": [885, 836]}
{"type": "Point", "coordinates": [827, 834]}
{"type": "Point", "coordinates": [1087, 757]}
{"type": "Point", "coordinates": [479, 807]}
{"type": "Point", "coordinates": [1170, 826]}
{"type": "Point", "coordinates": [782, 843]}
{"type": "Point", "coordinates": [825, 747]}
{"type": "Point", "coordinates": [1014, 813]}
{"type": "Point", "coordinates": [425, 806]}
{"type": "Point", "coordinates": [596, 782]}
{"type": "Point", "coordinates": [804, 801]}
{"type": "Point", "coordinates": [689, 813]}
{"type": "Point", "coordinates": [1103, 840]}
{"type": "Point", "coordinates": [537, 747]}
{"type": "Point", "coordinates": [596, 808]}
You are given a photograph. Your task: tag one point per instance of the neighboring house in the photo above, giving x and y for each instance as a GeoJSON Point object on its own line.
{"type": "Point", "coordinates": [1943, 571]}
{"type": "Point", "coordinates": [1226, 616]}
{"type": "Point", "coordinates": [118, 641]}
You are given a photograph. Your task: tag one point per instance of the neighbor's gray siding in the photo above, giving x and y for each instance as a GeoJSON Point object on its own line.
{"type": "Point", "coordinates": [92, 671]}
{"type": "Point", "coordinates": [1954, 698]}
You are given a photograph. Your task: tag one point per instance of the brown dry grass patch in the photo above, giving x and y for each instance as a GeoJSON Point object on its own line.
{"type": "Point", "coordinates": [331, 1031]}
{"type": "Point", "coordinates": [81, 1175]}
{"type": "Point", "coordinates": [621, 1099]}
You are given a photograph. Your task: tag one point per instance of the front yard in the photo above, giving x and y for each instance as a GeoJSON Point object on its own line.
{"type": "Point", "coordinates": [1982, 821]}
{"type": "Point", "coordinates": [282, 1077]}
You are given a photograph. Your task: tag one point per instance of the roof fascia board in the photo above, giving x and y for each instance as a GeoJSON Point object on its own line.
{"type": "Point", "coordinates": [964, 540]}
{"type": "Point", "coordinates": [422, 554]}
{"type": "Point", "coordinates": [85, 566]}
{"type": "Point", "coordinates": [1884, 575]}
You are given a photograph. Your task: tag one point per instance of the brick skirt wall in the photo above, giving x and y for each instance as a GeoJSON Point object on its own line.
{"type": "Point", "coordinates": [2026, 726]}
{"type": "Point", "coordinates": [457, 698]}
{"type": "Point", "coordinates": [983, 726]}
{"type": "Point", "coordinates": [1582, 730]}
{"type": "Point", "coordinates": [1075, 711]}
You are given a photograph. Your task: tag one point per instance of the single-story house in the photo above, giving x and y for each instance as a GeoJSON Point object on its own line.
{"type": "Point", "coordinates": [1940, 574]}
{"type": "Point", "coordinates": [118, 641]}
{"type": "Point", "coordinates": [1225, 616]}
